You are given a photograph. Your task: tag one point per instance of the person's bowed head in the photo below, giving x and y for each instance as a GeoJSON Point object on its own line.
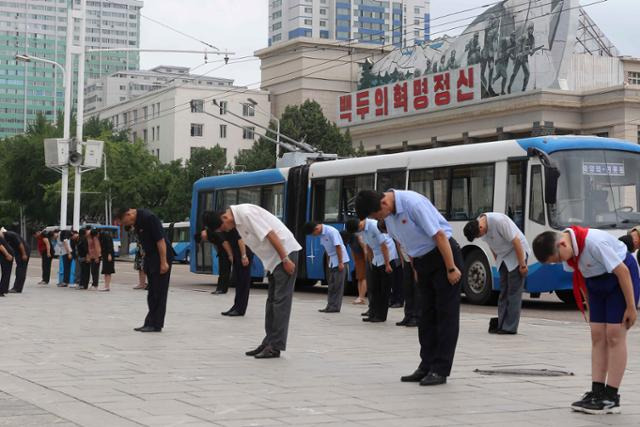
{"type": "Point", "coordinates": [552, 247]}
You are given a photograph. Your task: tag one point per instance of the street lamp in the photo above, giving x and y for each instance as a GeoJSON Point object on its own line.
{"type": "Point", "coordinates": [66, 133]}
{"type": "Point", "coordinates": [255, 105]}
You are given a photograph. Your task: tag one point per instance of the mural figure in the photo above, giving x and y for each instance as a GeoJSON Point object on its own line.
{"type": "Point", "coordinates": [526, 48]}
{"type": "Point", "coordinates": [506, 51]}
{"type": "Point", "coordinates": [452, 65]}
{"type": "Point", "coordinates": [473, 50]}
{"type": "Point", "coordinates": [488, 54]}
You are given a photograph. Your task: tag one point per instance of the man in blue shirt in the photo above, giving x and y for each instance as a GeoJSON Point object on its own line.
{"type": "Point", "coordinates": [337, 257]}
{"type": "Point", "coordinates": [386, 267]}
{"type": "Point", "coordinates": [416, 224]}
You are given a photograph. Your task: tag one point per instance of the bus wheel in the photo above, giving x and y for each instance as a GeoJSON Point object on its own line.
{"type": "Point", "coordinates": [476, 279]}
{"type": "Point", "coordinates": [566, 296]}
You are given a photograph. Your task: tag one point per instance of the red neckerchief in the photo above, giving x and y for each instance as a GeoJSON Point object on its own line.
{"type": "Point", "coordinates": [579, 284]}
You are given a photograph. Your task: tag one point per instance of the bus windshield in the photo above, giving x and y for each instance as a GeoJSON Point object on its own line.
{"type": "Point", "coordinates": [596, 188]}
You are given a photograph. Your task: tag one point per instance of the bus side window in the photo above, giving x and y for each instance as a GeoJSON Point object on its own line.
{"type": "Point", "coordinates": [536, 200]}
{"type": "Point", "coordinates": [272, 199]}
{"type": "Point", "coordinates": [433, 184]}
{"type": "Point", "coordinates": [351, 185]}
{"type": "Point", "coordinates": [471, 191]}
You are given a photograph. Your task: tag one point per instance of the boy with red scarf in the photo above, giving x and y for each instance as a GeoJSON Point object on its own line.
{"type": "Point", "coordinates": [606, 275]}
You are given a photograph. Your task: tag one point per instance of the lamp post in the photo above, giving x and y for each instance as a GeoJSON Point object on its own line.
{"type": "Point", "coordinates": [66, 133]}
{"type": "Point", "coordinates": [255, 105]}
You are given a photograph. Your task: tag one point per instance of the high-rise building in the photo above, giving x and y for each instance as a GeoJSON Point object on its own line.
{"type": "Point", "coordinates": [382, 22]}
{"type": "Point", "coordinates": [38, 28]}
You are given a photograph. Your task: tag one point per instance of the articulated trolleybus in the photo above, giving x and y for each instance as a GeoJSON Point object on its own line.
{"type": "Point", "coordinates": [541, 183]}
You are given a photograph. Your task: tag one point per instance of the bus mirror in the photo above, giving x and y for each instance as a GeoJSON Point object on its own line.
{"type": "Point", "coordinates": [551, 175]}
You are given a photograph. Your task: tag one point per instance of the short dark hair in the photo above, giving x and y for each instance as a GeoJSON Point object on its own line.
{"type": "Point", "coordinates": [212, 219]}
{"type": "Point", "coordinates": [352, 225]}
{"type": "Point", "coordinates": [472, 230]}
{"type": "Point", "coordinates": [309, 227]}
{"type": "Point", "coordinates": [544, 245]}
{"type": "Point", "coordinates": [368, 202]}
{"type": "Point", "coordinates": [121, 212]}
{"type": "Point", "coordinates": [628, 241]}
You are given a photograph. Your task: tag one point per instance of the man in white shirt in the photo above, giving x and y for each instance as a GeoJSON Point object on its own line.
{"type": "Point", "coordinates": [337, 257]}
{"type": "Point", "coordinates": [277, 248]}
{"type": "Point", "coordinates": [510, 250]}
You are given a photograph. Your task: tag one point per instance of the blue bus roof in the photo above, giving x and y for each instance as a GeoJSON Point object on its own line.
{"type": "Point", "coordinates": [550, 144]}
{"type": "Point", "coordinates": [243, 179]}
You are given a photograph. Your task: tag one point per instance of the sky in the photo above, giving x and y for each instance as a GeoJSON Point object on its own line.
{"type": "Point", "coordinates": [240, 26]}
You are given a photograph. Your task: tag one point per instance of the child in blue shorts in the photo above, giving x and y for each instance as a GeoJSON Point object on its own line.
{"type": "Point", "coordinates": [606, 275]}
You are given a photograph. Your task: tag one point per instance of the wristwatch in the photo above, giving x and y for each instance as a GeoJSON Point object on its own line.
{"type": "Point", "coordinates": [285, 259]}
{"type": "Point", "coordinates": [244, 256]}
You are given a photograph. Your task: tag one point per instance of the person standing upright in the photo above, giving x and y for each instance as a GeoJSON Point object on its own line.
{"type": "Point", "coordinates": [6, 264]}
{"type": "Point", "coordinates": [242, 259]}
{"type": "Point", "coordinates": [82, 250]}
{"type": "Point", "coordinates": [418, 226]}
{"type": "Point", "coordinates": [46, 253]}
{"type": "Point", "coordinates": [21, 252]}
{"type": "Point", "coordinates": [278, 250]}
{"type": "Point", "coordinates": [337, 257]}
{"type": "Point", "coordinates": [158, 256]}
{"type": "Point", "coordinates": [511, 250]}
{"type": "Point", "coordinates": [95, 253]}
{"type": "Point", "coordinates": [66, 256]}
{"type": "Point", "coordinates": [108, 261]}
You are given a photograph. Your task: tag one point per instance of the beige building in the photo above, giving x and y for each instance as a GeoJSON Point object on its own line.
{"type": "Point", "coordinates": [610, 111]}
{"type": "Point", "coordinates": [316, 69]}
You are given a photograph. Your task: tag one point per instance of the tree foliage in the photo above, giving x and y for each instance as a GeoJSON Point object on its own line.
{"type": "Point", "coordinates": [304, 122]}
{"type": "Point", "coordinates": [135, 177]}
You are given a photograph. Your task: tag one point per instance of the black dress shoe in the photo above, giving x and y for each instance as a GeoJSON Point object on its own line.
{"type": "Point", "coordinates": [375, 320]}
{"type": "Point", "coordinates": [13, 291]}
{"type": "Point", "coordinates": [499, 331]}
{"type": "Point", "coordinates": [217, 292]}
{"type": "Point", "coordinates": [403, 322]}
{"type": "Point", "coordinates": [268, 353]}
{"type": "Point", "coordinates": [411, 323]}
{"type": "Point", "coordinates": [433, 379]}
{"type": "Point", "coordinates": [256, 351]}
{"type": "Point", "coordinates": [365, 314]}
{"type": "Point", "coordinates": [150, 329]}
{"type": "Point", "coordinates": [139, 328]}
{"type": "Point", "coordinates": [396, 305]}
{"type": "Point", "coordinates": [234, 313]}
{"type": "Point", "coordinates": [226, 313]}
{"type": "Point", "coordinates": [417, 376]}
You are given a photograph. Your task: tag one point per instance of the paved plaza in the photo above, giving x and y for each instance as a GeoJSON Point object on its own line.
{"type": "Point", "coordinates": [71, 358]}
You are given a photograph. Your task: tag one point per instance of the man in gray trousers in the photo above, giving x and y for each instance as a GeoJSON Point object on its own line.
{"type": "Point", "coordinates": [277, 248]}
{"type": "Point", "coordinates": [511, 251]}
{"type": "Point", "coordinates": [337, 257]}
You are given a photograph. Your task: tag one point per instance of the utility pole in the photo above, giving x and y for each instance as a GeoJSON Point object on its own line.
{"type": "Point", "coordinates": [80, 110]}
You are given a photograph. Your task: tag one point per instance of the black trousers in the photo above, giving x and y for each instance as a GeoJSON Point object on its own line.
{"type": "Point", "coordinates": [157, 292]}
{"type": "Point", "coordinates": [66, 269]}
{"type": "Point", "coordinates": [6, 267]}
{"type": "Point", "coordinates": [21, 274]}
{"type": "Point", "coordinates": [95, 272]}
{"type": "Point", "coordinates": [440, 320]}
{"type": "Point", "coordinates": [46, 268]}
{"type": "Point", "coordinates": [224, 265]}
{"type": "Point", "coordinates": [382, 284]}
{"type": "Point", "coordinates": [412, 300]}
{"type": "Point", "coordinates": [397, 294]}
{"type": "Point", "coordinates": [85, 272]}
{"type": "Point", "coordinates": [242, 279]}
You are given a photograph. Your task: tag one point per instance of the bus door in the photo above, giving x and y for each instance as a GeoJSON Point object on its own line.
{"type": "Point", "coordinates": [516, 190]}
{"type": "Point", "coordinates": [203, 251]}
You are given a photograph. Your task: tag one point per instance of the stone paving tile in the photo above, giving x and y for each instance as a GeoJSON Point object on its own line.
{"type": "Point", "coordinates": [73, 359]}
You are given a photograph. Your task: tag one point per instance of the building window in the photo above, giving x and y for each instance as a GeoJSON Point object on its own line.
{"type": "Point", "coordinates": [145, 112]}
{"type": "Point", "coordinates": [248, 110]}
{"type": "Point", "coordinates": [196, 129]}
{"type": "Point", "coordinates": [308, 22]}
{"type": "Point", "coordinates": [276, 37]}
{"type": "Point", "coordinates": [145, 136]}
{"type": "Point", "coordinates": [135, 116]}
{"type": "Point", "coordinates": [323, 23]}
{"type": "Point", "coordinates": [323, 11]}
{"type": "Point", "coordinates": [277, 14]}
{"type": "Point", "coordinates": [197, 105]}
{"type": "Point", "coordinates": [223, 131]}
{"type": "Point", "coordinates": [134, 136]}
{"type": "Point", "coordinates": [416, 10]}
{"type": "Point", "coordinates": [158, 133]}
{"type": "Point", "coordinates": [247, 132]}
{"type": "Point", "coordinates": [633, 77]}
{"type": "Point", "coordinates": [223, 107]}
{"type": "Point", "coordinates": [277, 26]}
{"type": "Point", "coordinates": [308, 10]}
